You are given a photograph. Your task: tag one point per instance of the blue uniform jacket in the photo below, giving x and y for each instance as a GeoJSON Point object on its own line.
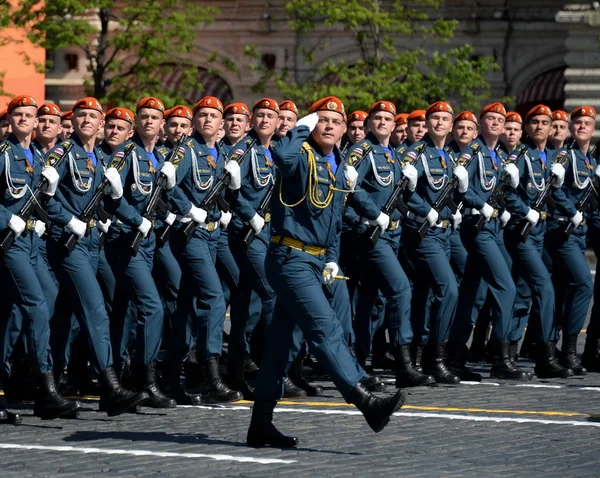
{"type": "Point", "coordinates": [484, 174]}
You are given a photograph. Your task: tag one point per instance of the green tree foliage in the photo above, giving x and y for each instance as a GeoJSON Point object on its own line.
{"type": "Point", "coordinates": [129, 46]}
{"type": "Point", "coordinates": [411, 78]}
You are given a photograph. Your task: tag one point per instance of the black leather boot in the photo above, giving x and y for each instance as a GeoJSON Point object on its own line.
{"type": "Point", "coordinates": [216, 388]}
{"type": "Point", "coordinates": [373, 383]}
{"type": "Point", "coordinates": [434, 364]}
{"type": "Point", "coordinates": [262, 432]}
{"type": "Point", "coordinates": [192, 369]}
{"type": "Point", "coordinates": [382, 360]}
{"type": "Point", "coordinates": [502, 366]}
{"type": "Point", "coordinates": [513, 355]}
{"type": "Point", "coordinates": [546, 365]}
{"type": "Point", "coordinates": [63, 386]}
{"type": "Point", "coordinates": [49, 404]}
{"type": "Point", "coordinates": [236, 379]}
{"type": "Point", "coordinates": [171, 385]}
{"type": "Point", "coordinates": [377, 411]}
{"type": "Point", "coordinates": [568, 356]}
{"type": "Point", "coordinates": [291, 390]}
{"type": "Point", "coordinates": [114, 399]}
{"type": "Point", "coordinates": [456, 361]}
{"type": "Point", "coordinates": [250, 368]}
{"type": "Point", "coordinates": [144, 377]}
{"type": "Point", "coordinates": [406, 375]}
{"type": "Point", "coordinates": [416, 352]}
{"type": "Point", "coordinates": [296, 374]}
{"type": "Point", "coordinates": [590, 359]}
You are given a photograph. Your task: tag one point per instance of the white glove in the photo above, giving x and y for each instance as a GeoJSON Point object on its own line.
{"type": "Point", "coordinates": [39, 227]}
{"type": "Point", "coordinates": [225, 219]}
{"type": "Point", "coordinates": [463, 178]}
{"type": "Point", "coordinates": [410, 173]}
{"type": "Point", "coordinates": [76, 227]}
{"type": "Point", "coordinates": [383, 221]}
{"type": "Point", "coordinates": [597, 171]}
{"type": "Point", "coordinates": [576, 219]}
{"type": "Point", "coordinates": [257, 223]}
{"type": "Point", "coordinates": [17, 225]}
{"type": "Point", "coordinates": [456, 219]}
{"type": "Point", "coordinates": [558, 171]}
{"type": "Point", "coordinates": [432, 217]}
{"type": "Point", "coordinates": [168, 171]}
{"type": "Point", "coordinates": [513, 175]}
{"type": "Point", "coordinates": [310, 120]}
{"type": "Point", "coordinates": [533, 217]}
{"type": "Point", "coordinates": [116, 186]}
{"type": "Point", "coordinates": [487, 211]}
{"type": "Point", "coordinates": [145, 226]}
{"type": "Point", "coordinates": [197, 214]}
{"type": "Point", "coordinates": [329, 272]}
{"type": "Point", "coordinates": [52, 176]}
{"type": "Point", "coordinates": [233, 168]}
{"type": "Point", "coordinates": [351, 176]}
{"type": "Point", "coordinates": [104, 226]}
{"type": "Point", "coordinates": [504, 218]}
{"type": "Point", "coordinates": [170, 219]}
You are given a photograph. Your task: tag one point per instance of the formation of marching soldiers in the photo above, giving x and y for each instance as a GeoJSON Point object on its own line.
{"type": "Point", "coordinates": [123, 234]}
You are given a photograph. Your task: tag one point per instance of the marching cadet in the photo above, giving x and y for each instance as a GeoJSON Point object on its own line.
{"type": "Point", "coordinates": [356, 127]}
{"type": "Point", "coordinates": [288, 116]}
{"type": "Point", "coordinates": [201, 309]}
{"type": "Point", "coordinates": [382, 274]}
{"type": "Point", "coordinates": [485, 261]}
{"type": "Point", "coordinates": [21, 171]}
{"type": "Point", "coordinates": [417, 127]}
{"type": "Point", "coordinates": [431, 255]}
{"type": "Point", "coordinates": [513, 130]}
{"type": "Point", "coordinates": [306, 223]}
{"type": "Point", "coordinates": [79, 291]}
{"type": "Point", "coordinates": [48, 129]}
{"type": "Point", "coordinates": [66, 122]}
{"type": "Point", "coordinates": [536, 293]}
{"type": "Point", "coordinates": [399, 134]}
{"type": "Point", "coordinates": [570, 271]}
{"type": "Point", "coordinates": [560, 129]}
{"type": "Point", "coordinates": [133, 271]}
{"type": "Point", "coordinates": [4, 125]}
{"type": "Point", "coordinates": [237, 123]}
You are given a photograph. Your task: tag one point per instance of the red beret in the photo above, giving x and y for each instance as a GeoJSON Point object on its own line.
{"type": "Point", "coordinates": [21, 100]}
{"type": "Point", "coordinates": [358, 115]}
{"type": "Point", "coordinates": [329, 103]}
{"type": "Point", "coordinates": [583, 111]}
{"type": "Point", "coordinates": [466, 116]}
{"type": "Point", "coordinates": [49, 109]}
{"type": "Point", "coordinates": [537, 111]}
{"type": "Point", "coordinates": [237, 109]}
{"type": "Point", "coordinates": [512, 117]}
{"type": "Point", "coordinates": [3, 115]}
{"type": "Point", "coordinates": [67, 116]}
{"type": "Point", "coordinates": [288, 105]}
{"type": "Point", "coordinates": [120, 113]}
{"type": "Point", "coordinates": [439, 106]}
{"type": "Point", "coordinates": [150, 102]}
{"type": "Point", "coordinates": [179, 111]}
{"type": "Point", "coordinates": [493, 108]}
{"type": "Point", "coordinates": [88, 103]}
{"type": "Point", "coordinates": [383, 106]}
{"type": "Point", "coordinates": [401, 118]}
{"type": "Point", "coordinates": [560, 115]}
{"type": "Point", "coordinates": [266, 103]}
{"type": "Point", "coordinates": [209, 102]}
{"type": "Point", "coordinates": [417, 115]}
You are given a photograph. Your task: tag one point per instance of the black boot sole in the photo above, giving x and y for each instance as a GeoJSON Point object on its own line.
{"type": "Point", "coordinates": [377, 424]}
{"type": "Point", "coordinates": [9, 418]}
{"type": "Point", "coordinates": [113, 411]}
{"type": "Point", "coordinates": [55, 414]}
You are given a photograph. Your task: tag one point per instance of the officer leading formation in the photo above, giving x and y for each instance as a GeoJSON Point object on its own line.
{"type": "Point", "coordinates": [126, 236]}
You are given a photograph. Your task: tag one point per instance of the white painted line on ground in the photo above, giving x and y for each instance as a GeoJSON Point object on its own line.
{"type": "Point", "coordinates": [162, 454]}
{"type": "Point", "coordinates": [450, 416]}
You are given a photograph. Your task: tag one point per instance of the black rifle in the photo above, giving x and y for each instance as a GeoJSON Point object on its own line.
{"type": "Point", "coordinates": [248, 232]}
{"type": "Point", "coordinates": [155, 202]}
{"type": "Point", "coordinates": [36, 201]}
{"type": "Point", "coordinates": [541, 198]}
{"type": "Point", "coordinates": [93, 206]}
{"type": "Point", "coordinates": [445, 197]}
{"type": "Point", "coordinates": [496, 199]}
{"type": "Point", "coordinates": [215, 195]}
{"type": "Point", "coordinates": [393, 202]}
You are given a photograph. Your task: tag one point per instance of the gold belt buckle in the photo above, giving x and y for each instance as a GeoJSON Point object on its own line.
{"type": "Point", "coordinates": [393, 225]}
{"type": "Point", "coordinates": [445, 224]}
{"type": "Point", "coordinates": [211, 226]}
{"type": "Point", "coordinates": [268, 217]}
{"type": "Point", "coordinates": [92, 223]}
{"type": "Point", "coordinates": [582, 223]}
{"type": "Point", "coordinates": [30, 225]}
{"type": "Point", "coordinates": [495, 213]}
{"type": "Point", "coordinates": [543, 215]}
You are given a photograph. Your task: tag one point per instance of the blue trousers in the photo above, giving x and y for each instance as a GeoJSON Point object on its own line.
{"type": "Point", "coordinates": [80, 294]}
{"type": "Point", "coordinates": [571, 274]}
{"type": "Point", "coordinates": [200, 313]}
{"type": "Point", "coordinates": [167, 277]}
{"type": "Point", "coordinates": [458, 255]}
{"type": "Point", "coordinates": [134, 286]}
{"type": "Point", "coordinates": [593, 329]}
{"type": "Point", "coordinates": [339, 299]}
{"type": "Point", "coordinates": [529, 269]}
{"type": "Point", "coordinates": [486, 263]}
{"type": "Point", "coordinates": [24, 303]}
{"type": "Point", "coordinates": [296, 279]}
{"type": "Point", "coordinates": [227, 268]}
